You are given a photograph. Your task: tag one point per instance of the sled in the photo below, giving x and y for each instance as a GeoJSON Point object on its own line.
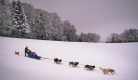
{"type": "Point", "coordinates": [35, 57]}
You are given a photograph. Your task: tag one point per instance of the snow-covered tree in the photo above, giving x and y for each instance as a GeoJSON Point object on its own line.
{"type": "Point", "coordinates": [89, 37]}
{"type": "Point", "coordinates": [5, 21]}
{"type": "Point", "coordinates": [21, 27]}
{"type": "Point", "coordinates": [41, 31]}
{"type": "Point", "coordinates": [57, 28]}
{"type": "Point", "coordinates": [130, 35]}
{"type": "Point", "coordinates": [4, 2]}
{"type": "Point", "coordinates": [69, 31]}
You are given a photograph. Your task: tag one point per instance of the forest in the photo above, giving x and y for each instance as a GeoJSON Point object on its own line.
{"type": "Point", "coordinates": [22, 20]}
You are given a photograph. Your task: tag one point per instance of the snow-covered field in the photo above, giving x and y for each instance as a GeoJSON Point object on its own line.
{"type": "Point", "coordinates": [122, 57]}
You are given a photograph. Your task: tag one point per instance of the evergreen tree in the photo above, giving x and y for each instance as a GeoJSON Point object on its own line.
{"type": "Point", "coordinates": [21, 27]}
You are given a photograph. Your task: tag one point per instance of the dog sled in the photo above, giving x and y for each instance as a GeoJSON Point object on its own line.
{"type": "Point", "coordinates": [33, 55]}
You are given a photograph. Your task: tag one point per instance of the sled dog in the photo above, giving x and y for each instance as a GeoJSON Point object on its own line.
{"type": "Point", "coordinates": [17, 53]}
{"type": "Point", "coordinates": [56, 60]}
{"type": "Point", "coordinates": [105, 71]}
{"type": "Point", "coordinates": [89, 67]}
{"type": "Point", "coordinates": [71, 63]}
{"type": "Point", "coordinates": [74, 64]}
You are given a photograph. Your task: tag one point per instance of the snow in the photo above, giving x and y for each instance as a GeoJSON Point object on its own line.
{"type": "Point", "coordinates": [122, 57]}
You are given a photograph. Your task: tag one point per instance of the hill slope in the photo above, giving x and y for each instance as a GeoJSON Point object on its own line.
{"type": "Point", "coordinates": [121, 57]}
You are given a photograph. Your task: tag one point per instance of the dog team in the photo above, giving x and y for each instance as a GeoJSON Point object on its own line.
{"type": "Point", "coordinates": [74, 64]}
{"type": "Point", "coordinates": [88, 67]}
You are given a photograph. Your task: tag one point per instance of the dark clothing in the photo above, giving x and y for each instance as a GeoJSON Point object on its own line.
{"type": "Point", "coordinates": [26, 50]}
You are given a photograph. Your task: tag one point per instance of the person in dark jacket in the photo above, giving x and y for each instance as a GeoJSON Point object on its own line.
{"type": "Point", "coordinates": [26, 50]}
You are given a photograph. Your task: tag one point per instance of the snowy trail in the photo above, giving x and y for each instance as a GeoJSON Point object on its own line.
{"type": "Point", "coordinates": [120, 57]}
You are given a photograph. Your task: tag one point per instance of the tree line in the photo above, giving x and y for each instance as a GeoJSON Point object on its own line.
{"type": "Point", "coordinates": [130, 35]}
{"type": "Point", "coordinates": [22, 20]}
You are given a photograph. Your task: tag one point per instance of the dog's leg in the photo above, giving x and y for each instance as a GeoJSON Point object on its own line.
{"type": "Point", "coordinates": [107, 71]}
{"type": "Point", "coordinates": [73, 65]}
{"type": "Point", "coordinates": [92, 68]}
{"type": "Point", "coordinates": [57, 62]}
{"type": "Point", "coordinates": [104, 72]}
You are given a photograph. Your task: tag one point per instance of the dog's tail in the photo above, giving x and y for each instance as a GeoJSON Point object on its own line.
{"type": "Point", "coordinates": [101, 68]}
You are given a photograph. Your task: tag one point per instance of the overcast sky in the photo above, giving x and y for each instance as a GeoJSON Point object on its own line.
{"type": "Point", "coordinates": [96, 16]}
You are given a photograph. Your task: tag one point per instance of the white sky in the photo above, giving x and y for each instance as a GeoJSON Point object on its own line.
{"type": "Point", "coordinates": [96, 16]}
